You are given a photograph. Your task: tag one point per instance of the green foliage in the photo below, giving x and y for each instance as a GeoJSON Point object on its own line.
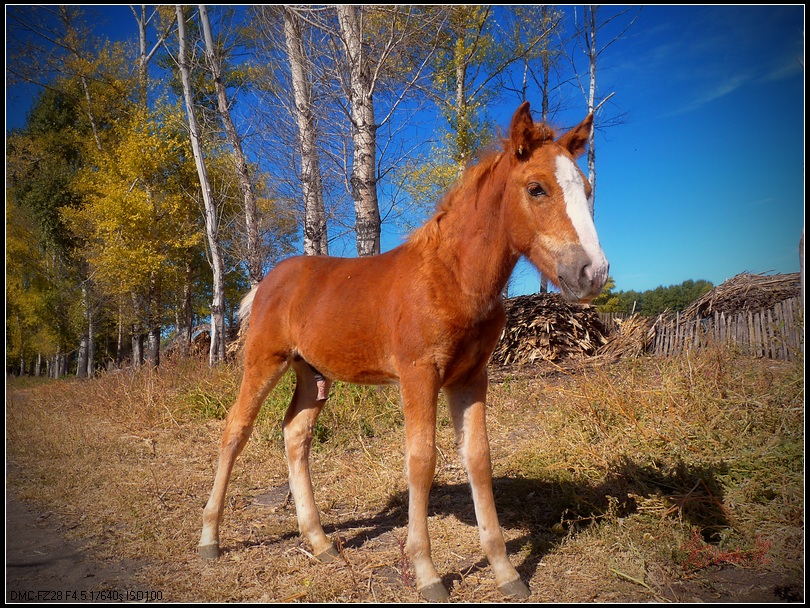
{"type": "Point", "coordinates": [42, 161]}
{"type": "Point", "coordinates": [43, 278]}
{"type": "Point", "coordinates": [468, 49]}
{"type": "Point", "coordinates": [427, 179]}
{"type": "Point", "coordinates": [652, 301]}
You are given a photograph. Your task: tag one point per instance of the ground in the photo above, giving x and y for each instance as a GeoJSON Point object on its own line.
{"type": "Point", "coordinates": [104, 504]}
{"type": "Point", "coordinates": [42, 566]}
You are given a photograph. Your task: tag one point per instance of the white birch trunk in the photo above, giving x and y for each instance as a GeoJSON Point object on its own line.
{"type": "Point", "coordinates": [217, 351]}
{"type": "Point", "coordinates": [591, 33]}
{"type": "Point", "coordinates": [315, 234]}
{"type": "Point", "coordinates": [364, 134]}
{"type": "Point", "coordinates": [461, 108]}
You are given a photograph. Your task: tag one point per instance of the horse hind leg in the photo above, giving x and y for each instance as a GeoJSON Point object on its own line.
{"type": "Point", "coordinates": [299, 423]}
{"type": "Point", "coordinates": [257, 382]}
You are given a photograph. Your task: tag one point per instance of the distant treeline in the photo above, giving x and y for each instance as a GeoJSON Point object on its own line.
{"type": "Point", "coordinates": [652, 301]}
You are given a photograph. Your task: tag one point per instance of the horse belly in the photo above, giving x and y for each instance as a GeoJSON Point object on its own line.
{"type": "Point", "coordinates": [349, 341]}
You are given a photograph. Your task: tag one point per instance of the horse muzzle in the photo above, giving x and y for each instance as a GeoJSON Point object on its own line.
{"type": "Point", "coordinates": [582, 277]}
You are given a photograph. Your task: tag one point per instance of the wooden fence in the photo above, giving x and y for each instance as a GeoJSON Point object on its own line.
{"type": "Point", "coordinates": [773, 333]}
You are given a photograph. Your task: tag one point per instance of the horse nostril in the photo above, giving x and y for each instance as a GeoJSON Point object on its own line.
{"type": "Point", "coordinates": [585, 273]}
{"type": "Point", "coordinates": [593, 276]}
{"type": "Point", "coordinates": [587, 277]}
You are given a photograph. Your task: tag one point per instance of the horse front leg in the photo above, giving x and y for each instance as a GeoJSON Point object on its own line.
{"type": "Point", "coordinates": [419, 395]}
{"type": "Point", "coordinates": [467, 407]}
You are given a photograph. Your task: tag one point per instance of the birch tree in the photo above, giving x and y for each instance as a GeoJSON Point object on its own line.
{"type": "Point", "coordinates": [536, 31]}
{"type": "Point", "coordinates": [590, 28]}
{"type": "Point", "coordinates": [358, 68]}
{"type": "Point", "coordinates": [145, 54]}
{"type": "Point", "coordinates": [217, 350]}
{"type": "Point", "coordinates": [316, 238]}
{"type": "Point", "coordinates": [473, 68]}
{"type": "Point", "coordinates": [384, 49]}
{"type": "Point", "coordinates": [364, 132]}
{"type": "Point", "coordinates": [254, 256]}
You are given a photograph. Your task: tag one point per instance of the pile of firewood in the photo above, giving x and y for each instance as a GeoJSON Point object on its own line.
{"type": "Point", "coordinates": [544, 327]}
{"type": "Point", "coordinates": [746, 292]}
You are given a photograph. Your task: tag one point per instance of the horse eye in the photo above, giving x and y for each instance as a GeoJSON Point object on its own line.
{"type": "Point", "coordinates": [535, 189]}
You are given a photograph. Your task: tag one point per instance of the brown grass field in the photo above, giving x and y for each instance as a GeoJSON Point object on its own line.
{"type": "Point", "coordinates": [644, 480]}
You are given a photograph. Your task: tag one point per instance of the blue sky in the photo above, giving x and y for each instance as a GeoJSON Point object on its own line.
{"type": "Point", "coordinates": [705, 177]}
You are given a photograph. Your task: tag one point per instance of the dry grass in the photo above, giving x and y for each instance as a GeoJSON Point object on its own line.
{"type": "Point", "coordinates": [602, 477]}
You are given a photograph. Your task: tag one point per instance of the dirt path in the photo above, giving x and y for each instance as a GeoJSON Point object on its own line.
{"type": "Point", "coordinates": [43, 566]}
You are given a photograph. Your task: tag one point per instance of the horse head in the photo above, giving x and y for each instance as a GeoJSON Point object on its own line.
{"type": "Point", "coordinates": [547, 201]}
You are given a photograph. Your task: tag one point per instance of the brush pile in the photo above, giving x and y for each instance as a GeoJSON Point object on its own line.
{"type": "Point", "coordinates": [746, 292]}
{"type": "Point", "coordinates": [630, 338]}
{"type": "Point", "coordinates": [544, 327]}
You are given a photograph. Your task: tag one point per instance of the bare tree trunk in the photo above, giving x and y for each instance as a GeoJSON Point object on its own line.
{"type": "Point", "coordinates": [545, 12]}
{"type": "Point", "coordinates": [461, 108]}
{"type": "Point", "coordinates": [58, 364]}
{"type": "Point", "coordinates": [364, 134]}
{"type": "Point", "coordinates": [91, 341]}
{"type": "Point", "coordinates": [136, 332]}
{"type": "Point", "coordinates": [143, 62]}
{"type": "Point", "coordinates": [254, 256]}
{"type": "Point", "coordinates": [590, 27]}
{"type": "Point", "coordinates": [119, 350]}
{"type": "Point", "coordinates": [546, 65]}
{"type": "Point", "coordinates": [217, 351]}
{"type": "Point", "coordinates": [137, 346]}
{"type": "Point", "coordinates": [185, 318]}
{"type": "Point", "coordinates": [144, 56]}
{"type": "Point", "coordinates": [153, 347]}
{"type": "Point", "coordinates": [153, 324]}
{"type": "Point", "coordinates": [81, 364]}
{"type": "Point", "coordinates": [315, 234]}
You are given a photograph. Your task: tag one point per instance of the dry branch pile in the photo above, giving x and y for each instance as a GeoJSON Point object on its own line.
{"type": "Point", "coordinates": [546, 327]}
{"type": "Point", "coordinates": [746, 292]}
{"type": "Point", "coordinates": [631, 338]}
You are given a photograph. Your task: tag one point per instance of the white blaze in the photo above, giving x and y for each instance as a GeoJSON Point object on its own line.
{"type": "Point", "coordinates": [576, 205]}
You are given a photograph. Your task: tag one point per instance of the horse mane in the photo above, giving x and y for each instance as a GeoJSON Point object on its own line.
{"type": "Point", "coordinates": [472, 177]}
{"type": "Point", "coordinates": [470, 180]}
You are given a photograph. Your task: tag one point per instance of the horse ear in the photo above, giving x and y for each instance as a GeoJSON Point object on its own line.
{"type": "Point", "coordinates": [520, 131]}
{"type": "Point", "coordinates": [576, 140]}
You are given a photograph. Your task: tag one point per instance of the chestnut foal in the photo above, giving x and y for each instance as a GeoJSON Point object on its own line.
{"type": "Point", "coordinates": [425, 315]}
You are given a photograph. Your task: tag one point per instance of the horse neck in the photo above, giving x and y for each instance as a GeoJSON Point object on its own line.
{"type": "Point", "coordinates": [473, 244]}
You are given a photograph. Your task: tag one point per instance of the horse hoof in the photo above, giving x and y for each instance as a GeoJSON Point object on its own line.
{"type": "Point", "coordinates": [208, 551]}
{"type": "Point", "coordinates": [435, 592]}
{"type": "Point", "coordinates": [515, 589]}
{"type": "Point", "coordinates": [329, 556]}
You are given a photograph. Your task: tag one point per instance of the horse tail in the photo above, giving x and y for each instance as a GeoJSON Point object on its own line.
{"type": "Point", "coordinates": [245, 306]}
